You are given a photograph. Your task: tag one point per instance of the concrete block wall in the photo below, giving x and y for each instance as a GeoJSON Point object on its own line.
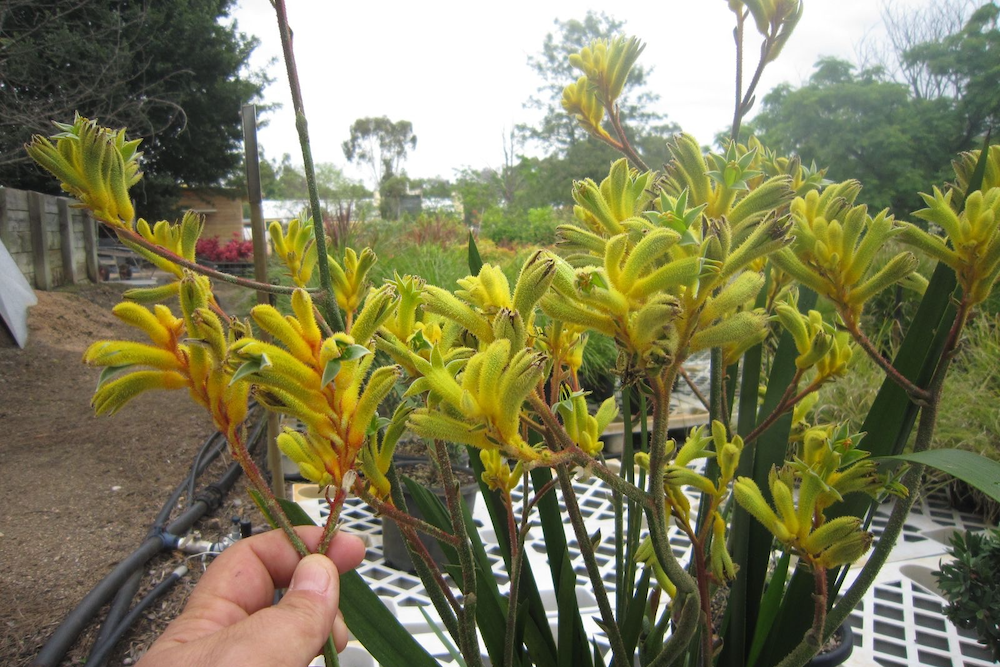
{"type": "Point", "coordinates": [52, 243]}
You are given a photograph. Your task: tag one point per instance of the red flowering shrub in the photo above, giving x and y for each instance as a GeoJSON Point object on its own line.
{"type": "Point", "coordinates": [237, 250]}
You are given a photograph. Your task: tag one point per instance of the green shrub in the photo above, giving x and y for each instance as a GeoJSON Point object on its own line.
{"type": "Point", "coordinates": [972, 585]}
{"type": "Point", "coordinates": [536, 226]}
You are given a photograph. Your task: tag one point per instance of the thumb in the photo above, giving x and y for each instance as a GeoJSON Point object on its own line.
{"type": "Point", "coordinates": [293, 632]}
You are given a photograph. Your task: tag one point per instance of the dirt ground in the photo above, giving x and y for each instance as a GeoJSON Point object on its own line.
{"type": "Point", "coordinates": [78, 493]}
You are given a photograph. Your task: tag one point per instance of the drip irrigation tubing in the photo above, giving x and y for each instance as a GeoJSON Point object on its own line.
{"type": "Point", "coordinates": [123, 598]}
{"type": "Point", "coordinates": [102, 652]}
{"type": "Point", "coordinates": [159, 539]}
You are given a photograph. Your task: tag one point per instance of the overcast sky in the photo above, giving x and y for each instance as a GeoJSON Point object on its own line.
{"type": "Point", "coordinates": [458, 70]}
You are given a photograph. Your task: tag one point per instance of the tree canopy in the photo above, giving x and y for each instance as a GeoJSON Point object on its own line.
{"type": "Point", "coordinates": [175, 74]}
{"type": "Point", "coordinates": [895, 136]}
{"type": "Point", "coordinates": [381, 145]}
{"type": "Point", "coordinates": [570, 153]}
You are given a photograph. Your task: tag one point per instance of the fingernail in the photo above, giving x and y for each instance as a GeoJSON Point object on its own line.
{"type": "Point", "coordinates": [312, 574]}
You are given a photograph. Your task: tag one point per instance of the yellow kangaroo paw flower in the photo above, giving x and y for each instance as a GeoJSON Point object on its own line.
{"type": "Point", "coordinates": [111, 397]}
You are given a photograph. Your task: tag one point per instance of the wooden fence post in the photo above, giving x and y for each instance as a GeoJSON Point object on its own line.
{"type": "Point", "coordinates": [39, 244]}
{"type": "Point", "coordinates": [90, 246]}
{"type": "Point", "coordinates": [66, 241]}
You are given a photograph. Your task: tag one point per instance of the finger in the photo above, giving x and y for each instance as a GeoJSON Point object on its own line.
{"type": "Point", "coordinates": [293, 631]}
{"type": "Point", "coordinates": [243, 578]}
{"type": "Point", "coordinates": [247, 573]}
{"type": "Point", "coordinates": [340, 635]}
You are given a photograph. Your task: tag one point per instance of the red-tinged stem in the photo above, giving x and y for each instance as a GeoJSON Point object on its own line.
{"type": "Point", "coordinates": [626, 147]}
{"type": "Point", "coordinates": [322, 321]}
{"type": "Point", "coordinates": [253, 473]}
{"type": "Point", "coordinates": [866, 344]}
{"type": "Point", "coordinates": [137, 239]}
{"type": "Point", "coordinates": [333, 519]}
{"type": "Point", "coordinates": [401, 517]}
{"type": "Point", "coordinates": [579, 457]}
{"type": "Point", "coordinates": [453, 497]}
{"type": "Point", "coordinates": [515, 579]}
{"type": "Point", "coordinates": [788, 400]}
{"type": "Point", "coordinates": [694, 388]}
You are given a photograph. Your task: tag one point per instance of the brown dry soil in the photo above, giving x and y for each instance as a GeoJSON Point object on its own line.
{"type": "Point", "coordinates": [78, 493]}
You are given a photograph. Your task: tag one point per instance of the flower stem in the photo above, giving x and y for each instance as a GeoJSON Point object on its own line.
{"type": "Point", "coordinates": [912, 480]}
{"type": "Point", "coordinates": [453, 498]}
{"type": "Point", "coordinates": [593, 570]}
{"type": "Point", "coordinates": [328, 304]}
{"type": "Point", "coordinates": [866, 344]}
{"type": "Point", "coordinates": [128, 236]}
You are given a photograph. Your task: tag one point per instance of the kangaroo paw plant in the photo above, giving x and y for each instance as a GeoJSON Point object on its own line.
{"type": "Point", "coordinates": [745, 255]}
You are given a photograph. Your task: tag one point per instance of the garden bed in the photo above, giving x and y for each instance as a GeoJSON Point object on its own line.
{"type": "Point", "coordinates": [78, 492]}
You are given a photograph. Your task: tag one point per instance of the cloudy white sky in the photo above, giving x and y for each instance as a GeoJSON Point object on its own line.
{"type": "Point", "coordinates": [458, 70]}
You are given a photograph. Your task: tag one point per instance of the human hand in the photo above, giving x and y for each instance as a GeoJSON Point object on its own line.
{"type": "Point", "coordinates": [229, 619]}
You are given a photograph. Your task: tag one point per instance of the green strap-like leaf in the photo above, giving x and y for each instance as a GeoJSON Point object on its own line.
{"type": "Point", "coordinates": [537, 633]}
{"type": "Point", "coordinates": [769, 608]}
{"type": "Point", "coordinates": [475, 261]}
{"type": "Point", "coordinates": [751, 542]}
{"type": "Point", "coordinates": [977, 471]}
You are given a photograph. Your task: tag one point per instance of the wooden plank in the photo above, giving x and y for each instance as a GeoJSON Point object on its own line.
{"type": "Point", "coordinates": [39, 244]}
{"type": "Point", "coordinates": [66, 242]}
{"type": "Point", "coordinates": [90, 246]}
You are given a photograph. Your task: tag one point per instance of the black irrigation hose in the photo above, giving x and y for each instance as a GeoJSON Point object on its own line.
{"type": "Point", "coordinates": [209, 499]}
{"type": "Point", "coordinates": [119, 607]}
{"type": "Point", "coordinates": [100, 654]}
{"type": "Point", "coordinates": [123, 598]}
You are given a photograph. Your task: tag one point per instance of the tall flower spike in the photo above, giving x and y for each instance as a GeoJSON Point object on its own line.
{"type": "Point", "coordinates": [187, 352]}
{"type": "Point", "coordinates": [834, 250]}
{"type": "Point", "coordinates": [972, 244]}
{"type": "Point", "coordinates": [296, 248]}
{"type": "Point", "coordinates": [94, 164]}
{"type": "Point", "coordinates": [320, 382]}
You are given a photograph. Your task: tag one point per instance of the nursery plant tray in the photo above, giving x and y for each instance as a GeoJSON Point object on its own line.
{"type": "Point", "coordinates": [898, 623]}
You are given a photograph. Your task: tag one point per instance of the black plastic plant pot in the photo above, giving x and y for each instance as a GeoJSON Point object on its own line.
{"type": "Point", "coordinates": [393, 544]}
{"type": "Point", "coordinates": [841, 653]}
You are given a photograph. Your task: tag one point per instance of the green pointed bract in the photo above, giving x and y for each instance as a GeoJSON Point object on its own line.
{"type": "Point", "coordinates": [250, 367]}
